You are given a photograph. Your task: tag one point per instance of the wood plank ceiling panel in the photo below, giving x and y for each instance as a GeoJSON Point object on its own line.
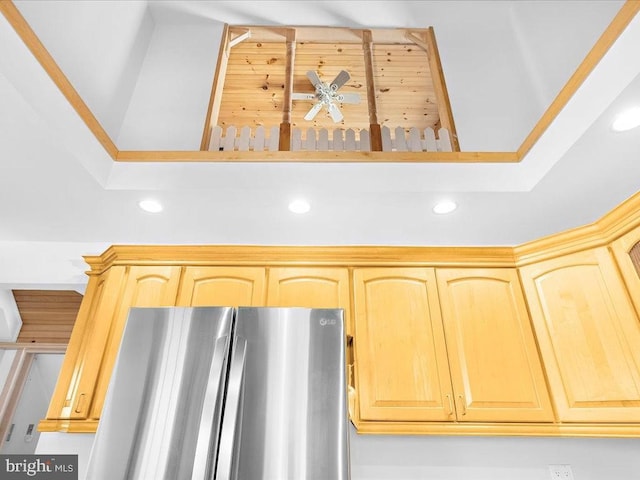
{"type": "Point", "coordinates": [47, 316]}
{"type": "Point", "coordinates": [328, 60]}
{"type": "Point", "coordinates": [405, 95]}
{"type": "Point", "coordinates": [254, 85]}
{"type": "Point", "coordinates": [253, 91]}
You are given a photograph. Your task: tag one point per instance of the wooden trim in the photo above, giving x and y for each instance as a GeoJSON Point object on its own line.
{"type": "Point", "coordinates": [300, 256]}
{"type": "Point", "coordinates": [284, 139]}
{"type": "Point", "coordinates": [35, 347]}
{"type": "Point", "coordinates": [627, 430]}
{"type": "Point", "coordinates": [288, 79]}
{"type": "Point", "coordinates": [602, 232]}
{"type": "Point", "coordinates": [374, 126]}
{"type": "Point", "coordinates": [313, 157]}
{"type": "Point", "coordinates": [367, 43]}
{"type": "Point", "coordinates": [440, 86]}
{"type": "Point", "coordinates": [601, 47]}
{"type": "Point", "coordinates": [13, 387]}
{"type": "Point", "coordinates": [45, 59]}
{"type": "Point", "coordinates": [68, 426]}
{"type": "Point", "coordinates": [216, 90]}
{"type": "Point", "coordinates": [241, 36]}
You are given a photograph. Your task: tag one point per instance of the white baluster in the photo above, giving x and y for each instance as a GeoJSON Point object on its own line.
{"type": "Point", "coordinates": [310, 141]}
{"type": "Point", "coordinates": [444, 141]}
{"type": "Point", "coordinates": [387, 144]}
{"type": "Point", "coordinates": [230, 139]}
{"type": "Point", "coordinates": [338, 140]}
{"type": "Point", "coordinates": [274, 139]}
{"type": "Point", "coordinates": [323, 140]}
{"type": "Point", "coordinates": [216, 139]}
{"type": "Point", "coordinates": [296, 140]}
{"type": "Point", "coordinates": [430, 140]}
{"type": "Point", "coordinates": [365, 141]}
{"type": "Point", "coordinates": [414, 140]}
{"type": "Point", "coordinates": [258, 141]}
{"type": "Point", "coordinates": [401, 141]}
{"type": "Point", "coordinates": [350, 140]}
{"type": "Point", "coordinates": [245, 136]}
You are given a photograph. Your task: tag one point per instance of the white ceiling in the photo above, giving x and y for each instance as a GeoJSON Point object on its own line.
{"type": "Point", "coordinates": [145, 71]}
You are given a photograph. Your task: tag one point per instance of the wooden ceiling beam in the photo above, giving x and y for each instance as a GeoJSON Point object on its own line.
{"type": "Point", "coordinates": [284, 142]}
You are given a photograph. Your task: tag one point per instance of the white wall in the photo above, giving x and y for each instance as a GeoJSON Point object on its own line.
{"type": "Point", "coordinates": [169, 104]}
{"type": "Point", "coordinates": [394, 457]}
{"type": "Point", "coordinates": [10, 321]}
{"type": "Point", "coordinates": [110, 38]}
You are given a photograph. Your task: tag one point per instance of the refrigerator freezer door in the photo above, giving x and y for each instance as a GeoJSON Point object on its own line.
{"type": "Point", "coordinates": [292, 401]}
{"type": "Point", "coordinates": [163, 408]}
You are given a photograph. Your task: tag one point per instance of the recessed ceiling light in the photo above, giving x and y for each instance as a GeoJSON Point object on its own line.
{"type": "Point", "coordinates": [626, 120]}
{"type": "Point", "coordinates": [151, 206]}
{"type": "Point", "coordinates": [446, 206]}
{"type": "Point", "coordinates": [299, 206]}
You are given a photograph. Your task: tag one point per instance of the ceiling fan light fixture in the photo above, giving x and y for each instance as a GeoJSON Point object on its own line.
{"type": "Point", "coordinates": [444, 207]}
{"type": "Point", "coordinates": [626, 120]}
{"type": "Point", "coordinates": [150, 205]}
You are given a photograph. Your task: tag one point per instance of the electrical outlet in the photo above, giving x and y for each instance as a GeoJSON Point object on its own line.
{"type": "Point", "coordinates": [560, 472]}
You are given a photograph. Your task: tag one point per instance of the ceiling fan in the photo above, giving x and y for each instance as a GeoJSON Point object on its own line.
{"type": "Point", "coordinates": [327, 95]}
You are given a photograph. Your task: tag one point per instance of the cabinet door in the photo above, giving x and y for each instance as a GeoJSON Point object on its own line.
{"type": "Point", "coordinates": [222, 286]}
{"type": "Point", "coordinates": [495, 368]}
{"type": "Point", "coordinates": [309, 287]}
{"type": "Point", "coordinates": [626, 251]}
{"type": "Point", "coordinates": [153, 286]}
{"type": "Point", "coordinates": [589, 336]}
{"type": "Point", "coordinates": [401, 359]}
{"type": "Point", "coordinates": [76, 381]}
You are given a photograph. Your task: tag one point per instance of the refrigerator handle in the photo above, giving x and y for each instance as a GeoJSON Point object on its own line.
{"type": "Point", "coordinates": [210, 417]}
{"type": "Point", "coordinates": [232, 420]}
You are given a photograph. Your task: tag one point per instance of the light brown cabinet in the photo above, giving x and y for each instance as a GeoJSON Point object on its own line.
{"type": "Point", "coordinates": [222, 286]}
{"type": "Point", "coordinates": [81, 388]}
{"type": "Point", "coordinates": [495, 367]}
{"type": "Point", "coordinates": [442, 338]}
{"type": "Point", "coordinates": [401, 357]}
{"type": "Point", "coordinates": [589, 336]}
{"type": "Point", "coordinates": [626, 251]}
{"type": "Point", "coordinates": [310, 287]}
{"type": "Point", "coordinates": [444, 345]}
{"type": "Point", "coordinates": [85, 374]}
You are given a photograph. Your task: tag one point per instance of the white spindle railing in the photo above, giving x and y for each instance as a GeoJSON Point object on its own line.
{"type": "Point", "coordinates": [340, 140]}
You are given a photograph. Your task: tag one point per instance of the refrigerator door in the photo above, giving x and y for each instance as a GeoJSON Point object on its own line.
{"type": "Point", "coordinates": [286, 410]}
{"type": "Point", "coordinates": [162, 413]}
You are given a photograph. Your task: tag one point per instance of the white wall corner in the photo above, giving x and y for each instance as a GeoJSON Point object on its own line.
{"type": "Point", "coordinates": [10, 321]}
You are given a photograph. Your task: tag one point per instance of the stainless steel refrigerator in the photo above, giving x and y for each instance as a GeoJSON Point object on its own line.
{"type": "Point", "coordinates": [225, 394]}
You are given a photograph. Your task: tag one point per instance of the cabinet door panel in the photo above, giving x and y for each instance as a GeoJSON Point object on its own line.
{"type": "Point", "coordinates": [495, 368]}
{"type": "Point", "coordinates": [401, 359]}
{"type": "Point", "coordinates": [222, 286]}
{"type": "Point", "coordinates": [589, 336]}
{"type": "Point", "coordinates": [143, 287]}
{"type": "Point", "coordinates": [626, 251]}
{"type": "Point", "coordinates": [81, 367]}
{"type": "Point", "coordinates": [309, 287]}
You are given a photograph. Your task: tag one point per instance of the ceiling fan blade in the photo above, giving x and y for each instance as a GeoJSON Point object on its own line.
{"type": "Point", "coordinates": [334, 111]}
{"type": "Point", "coordinates": [313, 112]}
{"type": "Point", "coordinates": [303, 96]}
{"type": "Point", "coordinates": [348, 98]}
{"type": "Point", "coordinates": [314, 78]}
{"type": "Point", "coordinates": [342, 78]}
